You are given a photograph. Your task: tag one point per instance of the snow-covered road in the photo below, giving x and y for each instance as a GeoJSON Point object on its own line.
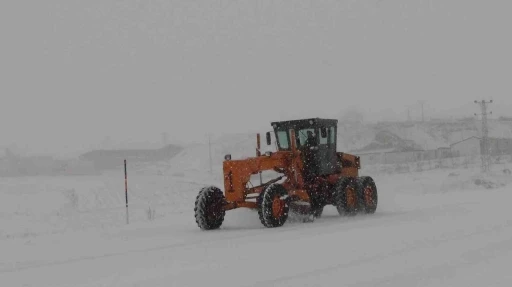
{"type": "Point", "coordinates": [416, 238]}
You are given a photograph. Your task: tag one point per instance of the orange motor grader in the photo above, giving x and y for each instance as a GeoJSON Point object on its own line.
{"type": "Point", "coordinates": [310, 175]}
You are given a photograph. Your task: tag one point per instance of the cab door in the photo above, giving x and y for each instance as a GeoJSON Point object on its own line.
{"type": "Point", "coordinates": [326, 154]}
{"type": "Point", "coordinates": [309, 153]}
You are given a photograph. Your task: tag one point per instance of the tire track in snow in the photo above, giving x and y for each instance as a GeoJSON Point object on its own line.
{"type": "Point", "coordinates": [447, 239]}
{"type": "Point", "coordinates": [446, 270]}
{"type": "Point", "coordinates": [349, 224]}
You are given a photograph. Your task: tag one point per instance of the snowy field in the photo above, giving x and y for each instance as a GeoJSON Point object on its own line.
{"type": "Point", "coordinates": [442, 227]}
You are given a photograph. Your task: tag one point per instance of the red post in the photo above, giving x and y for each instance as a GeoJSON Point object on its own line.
{"type": "Point", "coordinates": [126, 190]}
{"type": "Point", "coordinates": [258, 145]}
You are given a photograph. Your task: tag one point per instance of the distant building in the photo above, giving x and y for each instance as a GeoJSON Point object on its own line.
{"type": "Point", "coordinates": [402, 157]}
{"type": "Point", "coordinates": [444, 152]}
{"type": "Point", "coordinates": [500, 146]}
{"type": "Point", "coordinates": [472, 146]}
{"type": "Point", "coordinates": [467, 147]}
{"type": "Point", "coordinates": [107, 159]}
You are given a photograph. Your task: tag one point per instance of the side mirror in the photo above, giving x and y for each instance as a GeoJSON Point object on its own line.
{"type": "Point", "coordinates": [269, 139]}
{"type": "Point", "coordinates": [323, 132]}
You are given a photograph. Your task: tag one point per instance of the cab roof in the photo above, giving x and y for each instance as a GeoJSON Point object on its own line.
{"type": "Point", "coordinates": [304, 123]}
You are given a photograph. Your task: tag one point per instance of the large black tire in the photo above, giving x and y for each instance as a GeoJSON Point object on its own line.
{"type": "Point", "coordinates": [209, 210]}
{"type": "Point", "coordinates": [369, 196]}
{"type": "Point", "coordinates": [319, 199]}
{"type": "Point", "coordinates": [273, 206]}
{"type": "Point", "coordinates": [347, 196]}
{"type": "Point", "coordinates": [317, 211]}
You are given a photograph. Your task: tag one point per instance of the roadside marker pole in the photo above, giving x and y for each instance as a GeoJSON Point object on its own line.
{"type": "Point", "coordinates": [126, 190]}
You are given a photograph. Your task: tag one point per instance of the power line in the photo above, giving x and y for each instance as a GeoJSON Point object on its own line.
{"type": "Point", "coordinates": [485, 148]}
{"type": "Point", "coordinates": [210, 151]}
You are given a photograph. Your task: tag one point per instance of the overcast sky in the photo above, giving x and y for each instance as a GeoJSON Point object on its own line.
{"type": "Point", "coordinates": [73, 72]}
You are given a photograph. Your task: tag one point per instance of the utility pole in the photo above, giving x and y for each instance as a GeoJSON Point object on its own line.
{"type": "Point", "coordinates": [485, 149]}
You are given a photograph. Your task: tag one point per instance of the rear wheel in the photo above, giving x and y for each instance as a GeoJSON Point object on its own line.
{"type": "Point", "coordinates": [369, 194]}
{"type": "Point", "coordinates": [273, 206]}
{"type": "Point", "coordinates": [347, 198]}
{"type": "Point", "coordinates": [209, 208]}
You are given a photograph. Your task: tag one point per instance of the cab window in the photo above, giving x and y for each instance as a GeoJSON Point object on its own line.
{"type": "Point", "coordinates": [282, 139]}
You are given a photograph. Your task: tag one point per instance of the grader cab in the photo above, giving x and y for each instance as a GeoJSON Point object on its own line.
{"type": "Point", "coordinates": [311, 175]}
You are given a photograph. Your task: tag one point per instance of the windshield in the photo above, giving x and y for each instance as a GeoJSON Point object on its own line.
{"type": "Point", "coordinates": [302, 135]}
{"type": "Point", "coordinates": [284, 137]}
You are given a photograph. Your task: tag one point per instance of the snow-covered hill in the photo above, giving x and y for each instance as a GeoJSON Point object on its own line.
{"type": "Point", "coordinates": [416, 135]}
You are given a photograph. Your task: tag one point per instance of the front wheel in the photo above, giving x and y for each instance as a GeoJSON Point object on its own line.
{"type": "Point", "coordinates": [369, 194]}
{"type": "Point", "coordinates": [347, 198]}
{"type": "Point", "coordinates": [273, 206]}
{"type": "Point", "coordinates": [209, 208]}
